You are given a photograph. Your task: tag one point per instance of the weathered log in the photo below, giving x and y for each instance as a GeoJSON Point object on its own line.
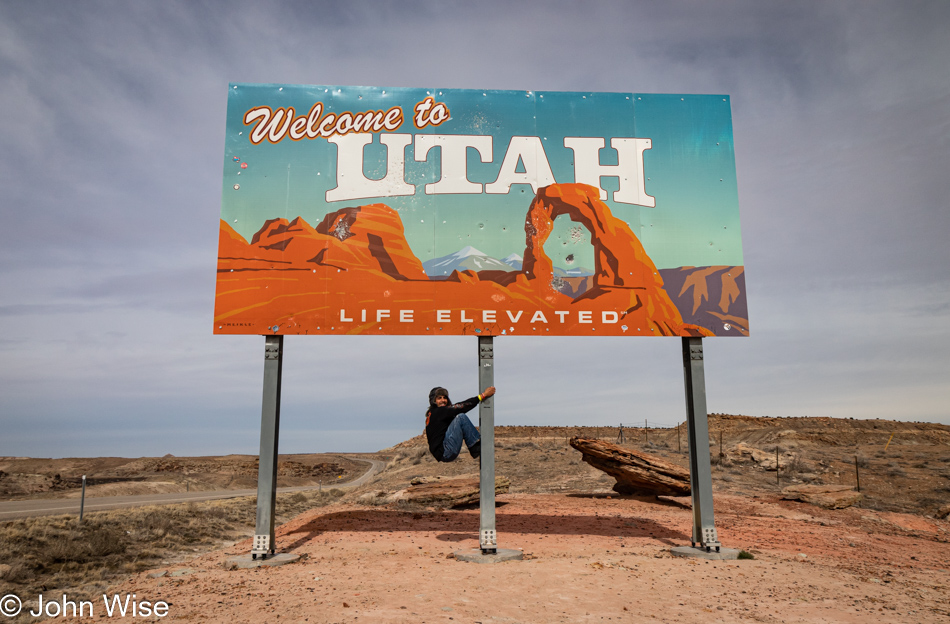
{"type": "Point", "coordinates": [827, 496]}
{"type": "Point", "coordinates": [635, 472]}
{"type": "Point", "coordinates": [448, 491]}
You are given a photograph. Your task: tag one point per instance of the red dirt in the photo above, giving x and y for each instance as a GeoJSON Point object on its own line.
{"type": "Point", "coordinates": [588, 558]}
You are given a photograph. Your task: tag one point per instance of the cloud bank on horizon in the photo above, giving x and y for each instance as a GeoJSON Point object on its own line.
{"type": "Point", "coordinates": [110, 178]}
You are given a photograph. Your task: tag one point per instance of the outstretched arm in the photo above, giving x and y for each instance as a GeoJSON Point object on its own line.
{"type": "Point", "coordinates": [467, 404]}
{"type": "Point", "coordinates": [489, 391]}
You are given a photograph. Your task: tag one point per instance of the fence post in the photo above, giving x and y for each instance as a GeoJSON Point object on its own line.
{"type": "Point", "coordinates": [82, 499]}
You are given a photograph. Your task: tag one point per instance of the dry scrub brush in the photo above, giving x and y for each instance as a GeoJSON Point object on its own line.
{"type": "Point", "coordinates": [54, 555]}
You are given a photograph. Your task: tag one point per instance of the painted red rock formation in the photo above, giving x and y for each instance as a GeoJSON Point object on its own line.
{"type": "Point", "coordinates": [625, 278]}
{"type": "Point", "coordinates": [363, 238]}
{"type": "Point", "coordinates": [712, 297]}
{"type": "Point", "coordinates": [355, 273]}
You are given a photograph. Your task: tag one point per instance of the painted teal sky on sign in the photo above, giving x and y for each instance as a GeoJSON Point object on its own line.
{"type": "Point", "coordinates": [690, 169]}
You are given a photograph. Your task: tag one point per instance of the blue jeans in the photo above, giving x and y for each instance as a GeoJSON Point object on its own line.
{"type": "Point", "coordinates": [460, 427]}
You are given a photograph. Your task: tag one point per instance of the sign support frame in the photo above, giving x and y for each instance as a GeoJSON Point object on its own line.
{"type": "Point", "coordinates": [700, 473]}
{"type": "Point", "coordinates": [697, 433]}
{"type": "Point", "coordinates": [264, 537]}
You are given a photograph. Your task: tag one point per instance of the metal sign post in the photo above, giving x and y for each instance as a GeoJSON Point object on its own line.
{"type": "Point", "coordinates": [267, 466]}
{"type": "Point", "coordinates": [697, 433]}
{"type": "Point", "coordinates": [488, 539]}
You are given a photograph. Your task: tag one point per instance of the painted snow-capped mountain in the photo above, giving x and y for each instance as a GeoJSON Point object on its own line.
{"type": "Point", "coordinates": [471, 259]}
{"type": "Point", "coordinates": [575, 272]}
{"type": "Point", "coordinates": [466, 259]}
{"type": "Point", "coordinates": [514, 261]}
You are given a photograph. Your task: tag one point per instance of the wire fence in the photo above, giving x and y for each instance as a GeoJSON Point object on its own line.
{"type": "Point", "coordinates": [898, 466]}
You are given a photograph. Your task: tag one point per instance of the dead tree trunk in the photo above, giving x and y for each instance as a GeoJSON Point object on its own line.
{"type": "Point", "coordinates": [636, 473]}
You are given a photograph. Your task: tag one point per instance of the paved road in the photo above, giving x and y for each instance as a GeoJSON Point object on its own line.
{"type": "Point", "coordinates": [10, 510]}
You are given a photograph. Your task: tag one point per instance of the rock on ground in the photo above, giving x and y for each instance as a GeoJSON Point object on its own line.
{"type": "Point", "coordinates": [742, 452]}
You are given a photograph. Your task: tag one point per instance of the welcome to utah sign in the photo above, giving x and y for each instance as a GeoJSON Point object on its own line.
{"type": "Point", "coordinates": [368, 210]}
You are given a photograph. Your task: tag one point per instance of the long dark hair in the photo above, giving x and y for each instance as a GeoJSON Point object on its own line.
{"type": "Point", "coordinates": [438, 390]}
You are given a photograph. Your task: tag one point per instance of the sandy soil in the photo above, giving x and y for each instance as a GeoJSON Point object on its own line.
{"type": "Point", "coordinates": [588, 557]}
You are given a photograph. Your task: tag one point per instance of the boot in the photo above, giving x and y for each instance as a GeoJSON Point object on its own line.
{"type": "Point", "coordinates": [476, 450]}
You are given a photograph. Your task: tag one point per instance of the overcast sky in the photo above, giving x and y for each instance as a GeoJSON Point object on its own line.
{"type": "Point", "coordinates": [113, 119]}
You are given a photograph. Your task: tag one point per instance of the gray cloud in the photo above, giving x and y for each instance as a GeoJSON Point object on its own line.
{"type": "Point", "coordinates": [110, 176]}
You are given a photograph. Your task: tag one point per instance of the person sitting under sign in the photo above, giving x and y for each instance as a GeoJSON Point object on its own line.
{"type": "Point", "coordinates": [447, 425]}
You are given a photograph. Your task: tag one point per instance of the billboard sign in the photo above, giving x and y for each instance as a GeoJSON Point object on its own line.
{"type": "Point", "coordinates": [370, 210]}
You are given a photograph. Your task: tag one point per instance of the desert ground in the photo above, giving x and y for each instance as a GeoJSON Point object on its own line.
{"type": "Point", "coordinates": [589, 553]}
{"type": "Point", "coordinates": [27, 477]}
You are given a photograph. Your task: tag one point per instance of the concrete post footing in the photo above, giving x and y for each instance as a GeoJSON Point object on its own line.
{"type": "Point", "coordinates": [245, 561]}
{"type": "Point", "coordinates": [475, 555]}
{"type": "Point", "coordinates": [700, 553]}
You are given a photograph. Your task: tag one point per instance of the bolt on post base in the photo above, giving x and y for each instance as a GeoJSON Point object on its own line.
{"type": "Point", "coordinates": [261, 547]}
{"type": "Point", "coordinates": [488, 542]}
{"type": "Point", "coordinates": [709, 540]}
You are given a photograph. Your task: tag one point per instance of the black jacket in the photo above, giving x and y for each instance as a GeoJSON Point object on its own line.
{"type": "Point", "coordinates": [438, 420]}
